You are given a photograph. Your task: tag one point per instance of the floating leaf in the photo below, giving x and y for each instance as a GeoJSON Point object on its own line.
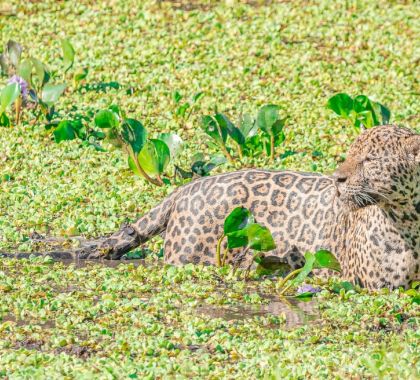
{"type": "Point", "coordinates": [68, 54]}
{"type": "Point", "coordinates": [51, 93]}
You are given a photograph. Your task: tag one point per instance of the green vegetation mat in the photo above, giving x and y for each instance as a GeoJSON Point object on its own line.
{"type": "Point", "coordinates": [95, 321]}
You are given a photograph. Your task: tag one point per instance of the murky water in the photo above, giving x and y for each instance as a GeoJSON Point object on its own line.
{"type": "Point", "coordinates": [296, 312]}
{"type": "Point", "coordinates": [103, 262]}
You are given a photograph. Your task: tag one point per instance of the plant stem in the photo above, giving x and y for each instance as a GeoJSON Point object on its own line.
{"type": "Point", "coordinates": [287, 278]}
{"type": "Point", "coordinates": [224, 257]}
{"type": "Point", "coordinates": [240, 152]}
{"type": "Point", "coordinates": [272, 148]}
{"type": "Point", "coordinates": [131, 153]}
{"type": "Point", "coordinates": [226, 153]}
{"type": "Point", "coordinates": [18, 106]}
{"type": "Point", "coordinates": [218, 248]}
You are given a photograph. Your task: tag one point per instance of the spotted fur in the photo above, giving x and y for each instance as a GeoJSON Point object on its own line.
{"type": "Point", "coordinates": [367, 213]}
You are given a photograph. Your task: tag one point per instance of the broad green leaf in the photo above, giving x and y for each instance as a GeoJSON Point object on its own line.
{"type": "Point", "coordinates": [68, 54]}
{"type": "Point", "coordinates": [325, 259]}
{"type": "Point", "coordinates": [64, 131]}
{"type": "Point", "coordinates": [214, 130]}
{"type": "Point", "coordinates": [106, 119]}
{"type": "Point", "coordinates": [134, 134]}
{"type": "Point", "coordinates": [8, 95]}
{"type": "Point", "coordinates": [154, 157]}
{"type": "Point", "coordinates": [341, 104]}
{"type": "Point", "coordinates": [260, 238]}
{"type": "Point", "coordinates": [234, 132]}
{"type": "Point", "coordinates": [4, 120]}
{"type": "Point", "coordinates": [14, 50]}
{"type": "Point", "coordinates": [385, 114]}
{"type": "Point", "coordinates": [238, 219]}
{"type": "Point", "coordinates": [173, 141]}
{"type": "Point", "coordinates": [51, 93]}
{"type": "Point", "coordinates": [306, 269]}
{"type": "Point", "coordinates": [267, 116]}
{"type": "Point", "coordinates": [342, 285]}
{"type": "Point", "coordinates": [133, 166]}
{"type": "Point", "coordinates": [253, 236]}
{"type": "Point", "coordinates": [25, 70]}
{"type": "Point", "coordinates": [248, 126]}
{"type": "Point", "coordinates": [41, 72]}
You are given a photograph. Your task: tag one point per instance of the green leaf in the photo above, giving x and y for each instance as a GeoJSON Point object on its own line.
{"type": "Point", "coordinates": [4, 120]}
{"type": "Point", "coordinates": [248, 126]}
{"type": "Point", "coordinates": [51, 93]}
{"type": "Point", "coordinates": [25, 70]}
{"type": "Point", "coordinates": [154, 157]}
{"type": "Point", "coordinates": [64, 131]}
{"type": "Point", "coordinates": [197, 96]}
{"type": "Point", "coordinates": [134, 134]}
{"type": "Point", "coordinates": [260, 238]}
{"type": "Point", "coordinates": [214, 130]}
{"type": "Point", "coordinates": [173, 141]}
{"type": "Point", "coordinates": [306, 269]}
{"type": "Point", "coordinates": [133, 166]}
{"type": "Point", "coordinates": [342, 285]}
{"type": "Point", "coordinates": [325, 259]}
{"type": "Point", "coordinates": [176, 96]}
{"type": "Point", "coordinates": [8, 95]}
{"type": "Point", "coordinates": [68, 54]}
{"type": "Point", "coordinates": [14, 50]}
{"type": "Point", "coordinates": [234, 132]}
{"type": "Point", "coordinates": [80, 75]}
{"type": "Point", "coordinates": [267, 116]}
{"type": "Point", "coordinates": [238, 219]}
{"type": "Point", "coordinates": [106, 119]}
{"type": "Point", "coordinates": [41, 72]}
{"type": "Point", "coordinates": [341, 104]}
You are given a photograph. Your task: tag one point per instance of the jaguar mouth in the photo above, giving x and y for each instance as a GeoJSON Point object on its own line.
{"type": "Point", "coordinates": [359, 200]}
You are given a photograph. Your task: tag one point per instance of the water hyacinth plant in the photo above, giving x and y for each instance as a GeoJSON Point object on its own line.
{"type": "Point", "coordinates": [251, 137]}
{"type": "Point", "coordinates": [359, 111]}
{"type": "Point", "coordinates": [147, 158]}
{"type": "Point", "coordinates": [242, 231]}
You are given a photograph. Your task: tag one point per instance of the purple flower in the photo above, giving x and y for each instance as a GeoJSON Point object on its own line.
{"type": "Point", "coordinates": [306, 288]}
{"type": "Point", "coordinates": [22, 84]}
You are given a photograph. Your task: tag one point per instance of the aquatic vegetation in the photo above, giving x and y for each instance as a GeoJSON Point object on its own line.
{"type": "Point", "coordinates": [152, 58]}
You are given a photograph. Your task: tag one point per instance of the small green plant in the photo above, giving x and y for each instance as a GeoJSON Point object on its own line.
{"type": "Point", "coordinates": [35, 80]}
{"type": "Point", "coordinates": [184, 109]}
{"type": "Point", "coordinates": [242, 231]}
{"type": "Point", "coordinates": [251, 137]}
{"type": "Point", "coordinates": [147, 158]}
{"type": "Point", "coordinates": [321, 259]}
{"type": "Point", "coordinates": [360, 111]}
{"type": "Point", "coordinates": [200, 167]}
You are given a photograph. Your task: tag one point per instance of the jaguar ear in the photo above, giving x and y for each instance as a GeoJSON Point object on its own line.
{"type": "Point", "coordinates": [413, 146]}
